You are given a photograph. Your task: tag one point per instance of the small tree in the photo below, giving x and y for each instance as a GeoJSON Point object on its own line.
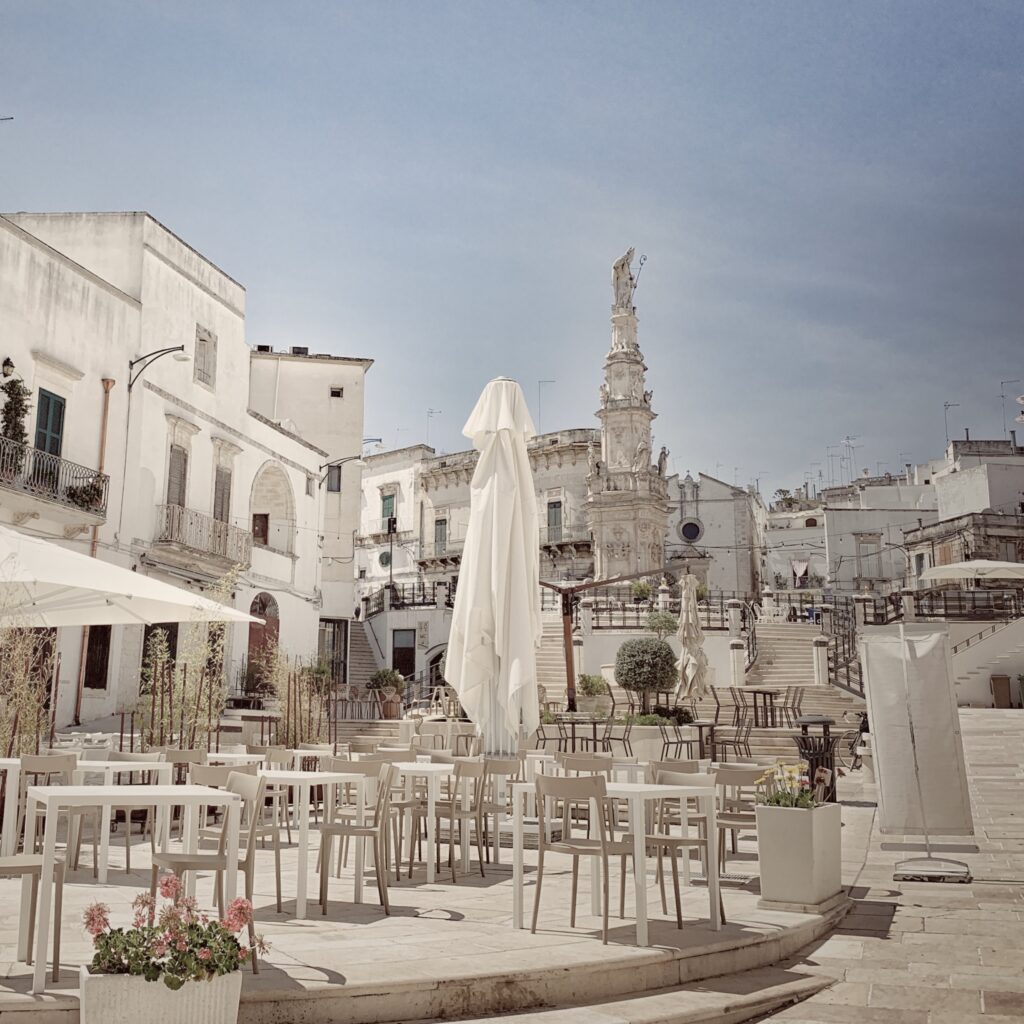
{"type": "Point", "coordinates": [386, 678]}
{"type": "Point", "coordinates": [662, 624]}
{"type": "Point", "coordinates": [645, 666]}
{"type": "Point", "coordinates": [640, 590]}
{"type": "Point", "coordinates": [12, 419]}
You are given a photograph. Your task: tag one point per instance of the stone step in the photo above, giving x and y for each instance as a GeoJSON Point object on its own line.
{"type": "Point", "coordinates": [727, 1000]}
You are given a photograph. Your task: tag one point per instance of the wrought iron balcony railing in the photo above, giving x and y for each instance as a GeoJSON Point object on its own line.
{"type": "Point", "coordinates": [52, 478]}
{"type": "Point", "coordinates": [203, 534]}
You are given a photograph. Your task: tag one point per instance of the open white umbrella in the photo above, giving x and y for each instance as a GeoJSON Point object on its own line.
{"type": "Point", "coordinates": [977, 569]}
{"type": "Point", "coordinates": [496, 624]}
{"type": "Point", "coordinates": [44, 584]}
{"type": "Point", "coordinates": [693, 662]}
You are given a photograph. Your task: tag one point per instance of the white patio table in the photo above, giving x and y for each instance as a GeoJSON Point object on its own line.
{"type": "Point", "coordinates": [164, 772]}
{"type": "Point", "coordinates": [53, 799]}
{"type": "Point", "coordinates": [230, 757]}
{"type": "Point", "coordinates": [303, 782]}
{"type": "Point", "coordinates": [433, 773]}
{"type": "Point", "coordinates": [635, 794]}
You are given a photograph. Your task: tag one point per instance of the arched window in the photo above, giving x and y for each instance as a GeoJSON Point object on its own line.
{"type": "Point", "coordinates": [272, 506]}
{"type": "Point", "coordinates": [811, 521]}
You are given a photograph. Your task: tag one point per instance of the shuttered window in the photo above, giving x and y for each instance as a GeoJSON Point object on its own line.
{"type": "Point", "coordinates": [222, 495]}
{"type": "Point", "coordinates": [97, 658]}
{"type": "Point", "coordinates": [205, 358]}
{"type": "Point", "coordinates": [50, 423]}
{"type": "Point", "coordinates": [177, 475]}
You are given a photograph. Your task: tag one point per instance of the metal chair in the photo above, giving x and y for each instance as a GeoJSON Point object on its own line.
{"type": "Point", "coordinates": [739, 741]}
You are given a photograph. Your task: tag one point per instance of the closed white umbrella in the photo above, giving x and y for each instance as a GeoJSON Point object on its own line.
{"type": "Point", "coordinates": [693, 662]}
{"type": "Point", "coordinates": [496, 625]}
{"type": "Point", "coordinates": [977, 569]}
{"type": "Point", "coordinates": [45, 585]}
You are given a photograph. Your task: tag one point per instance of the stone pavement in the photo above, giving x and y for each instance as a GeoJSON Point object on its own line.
{"type": "Point", "coordinates": [917, 953]}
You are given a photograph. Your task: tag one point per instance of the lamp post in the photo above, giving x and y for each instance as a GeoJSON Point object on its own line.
{"type": "Point", "coordinates": [357, 459]}
{"type": "Point", "coordinates": [178, 351]}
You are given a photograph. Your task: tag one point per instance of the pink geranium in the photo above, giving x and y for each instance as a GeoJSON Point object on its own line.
{"type": "Point", "coordinates": [96, 918]}
{"type": "Point", "coordinates": [170, 886]}
{"type": "Point", "coordinates": [204, 954]}
{"type": "Point", "coordinates": [239, 914]}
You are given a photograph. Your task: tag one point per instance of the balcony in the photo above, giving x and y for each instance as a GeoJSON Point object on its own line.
{"type": "Point", "coordinates": [557, 536]}
{"type": "Point", "coordinates": [443, 552]}
{"type": "Point", "coordinates": [194, 533]}
{"type": "Point", "coordinates": [40, 484]}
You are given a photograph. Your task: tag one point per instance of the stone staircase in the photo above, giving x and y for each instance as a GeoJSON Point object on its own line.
{"type": "Point", "coordinates": [784, 655]}
{"type": "Point", "coordinates": [551, 658]}
{"type": "Point", "coordinates": [362, 656]}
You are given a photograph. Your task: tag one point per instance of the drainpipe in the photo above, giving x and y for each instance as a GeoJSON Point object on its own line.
{"type": "Point", "coordinates": [107, 383]}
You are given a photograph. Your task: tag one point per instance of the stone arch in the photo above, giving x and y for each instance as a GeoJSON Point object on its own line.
{"type": "Point", "coordinates": [272, 506]}
{"type": "Point", "coordinates": [261, 636]}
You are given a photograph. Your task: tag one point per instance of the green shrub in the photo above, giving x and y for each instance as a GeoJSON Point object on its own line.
{"type": "Point", "coordinates": [645, 666]}
{"type": "Point", "coordinates": [641, 719]}
{"type": "Point", "coordinates": [386, 678]}
{"type": "Point", "coordinates": [590, 686]}
{"type": "Point", "coordinates": [641, 590]}
{"type": "Point", "coordinates": [661, 624]}
{"type": "Point", "coordinates": [681, 716]}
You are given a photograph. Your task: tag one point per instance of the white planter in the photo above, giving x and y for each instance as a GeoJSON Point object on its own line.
{"type": "Point", "coordinates": [800, 855]}
{"type": "Point", "coordinates": [126, 999]}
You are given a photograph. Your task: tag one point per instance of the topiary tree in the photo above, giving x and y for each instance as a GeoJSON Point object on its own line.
{"type": "Point", "coordinates": [386, 678]}
{"type": "Point", "coordinates": [662, 624]}
{"type": "Point", "coordinates": [645, 666]}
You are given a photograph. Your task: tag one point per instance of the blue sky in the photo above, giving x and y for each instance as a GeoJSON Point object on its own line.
{"type": "Point", "coordinates": [830, 196]}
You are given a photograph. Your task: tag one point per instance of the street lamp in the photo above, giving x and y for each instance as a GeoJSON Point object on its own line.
{"type": "Point", "coordinates": [356, 459]}
{"type": "Point", "coordinates": [178, 351]}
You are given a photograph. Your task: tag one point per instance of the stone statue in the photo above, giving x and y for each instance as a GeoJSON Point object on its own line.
{"type": "Point", "coordinates": [648, 395]}
{"type": "Point", "coordinates": [591, 460]}
{"type": "Point", "coordinates": [642, 458]}
{"type": "Point", "coordinates": [634, 391]}
{"type": "Point", "coordinates": [604, 394]}
{"type": "Point", "coordinates": [662, 460]}
{"type": "Point", "coordinates": [623, 281]}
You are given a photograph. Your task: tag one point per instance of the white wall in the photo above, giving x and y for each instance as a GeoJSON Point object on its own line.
{"type": "Point", "coordinates": [841, 529]}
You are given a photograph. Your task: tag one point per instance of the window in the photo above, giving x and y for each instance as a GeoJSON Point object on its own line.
{"type": "Point", "coordinates": [170, 631]}
{"type": "Point", "coordinates": [50, 423]}
{"type": "Point", "coordinates": [97, 658]}
{"type": "Point", "coordinates": [387, 508]}
{"type": "Point", "coordinates": [205, 360]}
{"type": "Point", "coordinates": [334, 478]}
{"type": "Point", "coordinates": [385, 559]}
{"type": "Point", "coordinates": [811, 522]}
{"type": "Point", "coordinates": [177, 475]}
{"type": "Point", "coordinates": [337, 392]}
{"type": "Point", "coordinates": [362, 574]}
{"type": "Point", "coordinates": [261, 528]}
{"type": "Point", "coordinates": [554, 521]}
{"type": "Point", "coordinates": [222, 495]}
{"type": "Point", "coordinates": [440, 536]}
{"type": "Point", "coordinates": [310, 487]}
{"type": "Point", "coordinates": [691, 530]}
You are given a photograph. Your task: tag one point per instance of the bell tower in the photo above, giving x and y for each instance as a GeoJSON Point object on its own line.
{"type": "Point", "coordinates": [627, 502]}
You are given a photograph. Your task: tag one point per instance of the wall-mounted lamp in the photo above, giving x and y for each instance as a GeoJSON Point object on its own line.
{"type": "Point", "coordinates": [7, 366]}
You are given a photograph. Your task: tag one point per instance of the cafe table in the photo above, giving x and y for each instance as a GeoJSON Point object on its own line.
{"type": "Point", "coordinates": [230, 757]}
{"type": "Point", "coordinates": [51, 800]}
{"type": "Point", "coordinates": [303, 783]}
{"type": "Point", "coordinates": [635, 795]}
{"type": "Point", "coordinates": [574, 718]}
{"type": "Point", "coordinates": [763, 701]}
{"type": "Point", "coordinates": [705, 747]}
{"type": "Point", "coordinates": [432, 774]}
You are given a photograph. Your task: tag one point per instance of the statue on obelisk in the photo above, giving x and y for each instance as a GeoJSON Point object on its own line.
{"type": "Point", "coordinates": [623, 281]}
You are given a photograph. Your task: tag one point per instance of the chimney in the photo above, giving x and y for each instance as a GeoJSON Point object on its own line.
{"type": "Point", "coordinates": [967, 433]}
{"type": "Point", "coordinates": [1013, 438]}
{"type": "Point", "coordinates": [907, 464]}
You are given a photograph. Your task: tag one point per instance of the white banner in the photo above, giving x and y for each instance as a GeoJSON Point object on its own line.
{"type": "Point", "coordinates": [908, 683]}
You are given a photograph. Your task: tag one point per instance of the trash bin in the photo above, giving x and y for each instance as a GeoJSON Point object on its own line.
{"type": "Point", "coordinates": [818, 749]}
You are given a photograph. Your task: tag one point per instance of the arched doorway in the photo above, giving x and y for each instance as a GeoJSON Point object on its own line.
{"type": "Point", "coordinates": [261, 636]}
{"type": "Point", "coordinates": [272, 506]}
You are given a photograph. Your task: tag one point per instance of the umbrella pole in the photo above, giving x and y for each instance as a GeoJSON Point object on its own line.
{"type": "Point", "coordinates": [570, 671]}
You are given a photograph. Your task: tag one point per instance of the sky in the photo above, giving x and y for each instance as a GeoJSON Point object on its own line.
{"type": "Point", "coordinates": [830, 198]}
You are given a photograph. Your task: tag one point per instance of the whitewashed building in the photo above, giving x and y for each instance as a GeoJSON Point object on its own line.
{"type": "Point", "coordinates": [158, 464]}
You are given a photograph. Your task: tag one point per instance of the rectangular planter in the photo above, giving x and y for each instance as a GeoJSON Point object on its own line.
{"type": "Point", "coordinates": [128, 999]}
{"type": "Point", "coordinates": [800, 855]}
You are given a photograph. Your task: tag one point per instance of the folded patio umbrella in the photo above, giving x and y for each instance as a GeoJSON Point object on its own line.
{"type": "Point", "coordinates": [693, 662]}
{"type": "Point", "coordinates": [977, 569]}
{"type": "Point", "coordinates": [496, 625]}
{"type": "Point", "coordinates": [44, 585]}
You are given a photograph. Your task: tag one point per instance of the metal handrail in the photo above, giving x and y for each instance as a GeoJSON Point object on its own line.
{"type": "Point", "coordinates": [46, 476]}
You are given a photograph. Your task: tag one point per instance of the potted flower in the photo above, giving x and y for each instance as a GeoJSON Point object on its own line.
{"type": "Point", "coordinates": [388, 684]}
{"type": "Point", "coordinates": [198, 959]}
{"type": "Point", "coordinates": [798, 841]}
{"type": "Point", "coordinates": [592, 695]}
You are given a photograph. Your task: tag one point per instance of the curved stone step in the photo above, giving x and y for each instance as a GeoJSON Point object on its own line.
{"type": "Point", "coordinates": [727, 1000]}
